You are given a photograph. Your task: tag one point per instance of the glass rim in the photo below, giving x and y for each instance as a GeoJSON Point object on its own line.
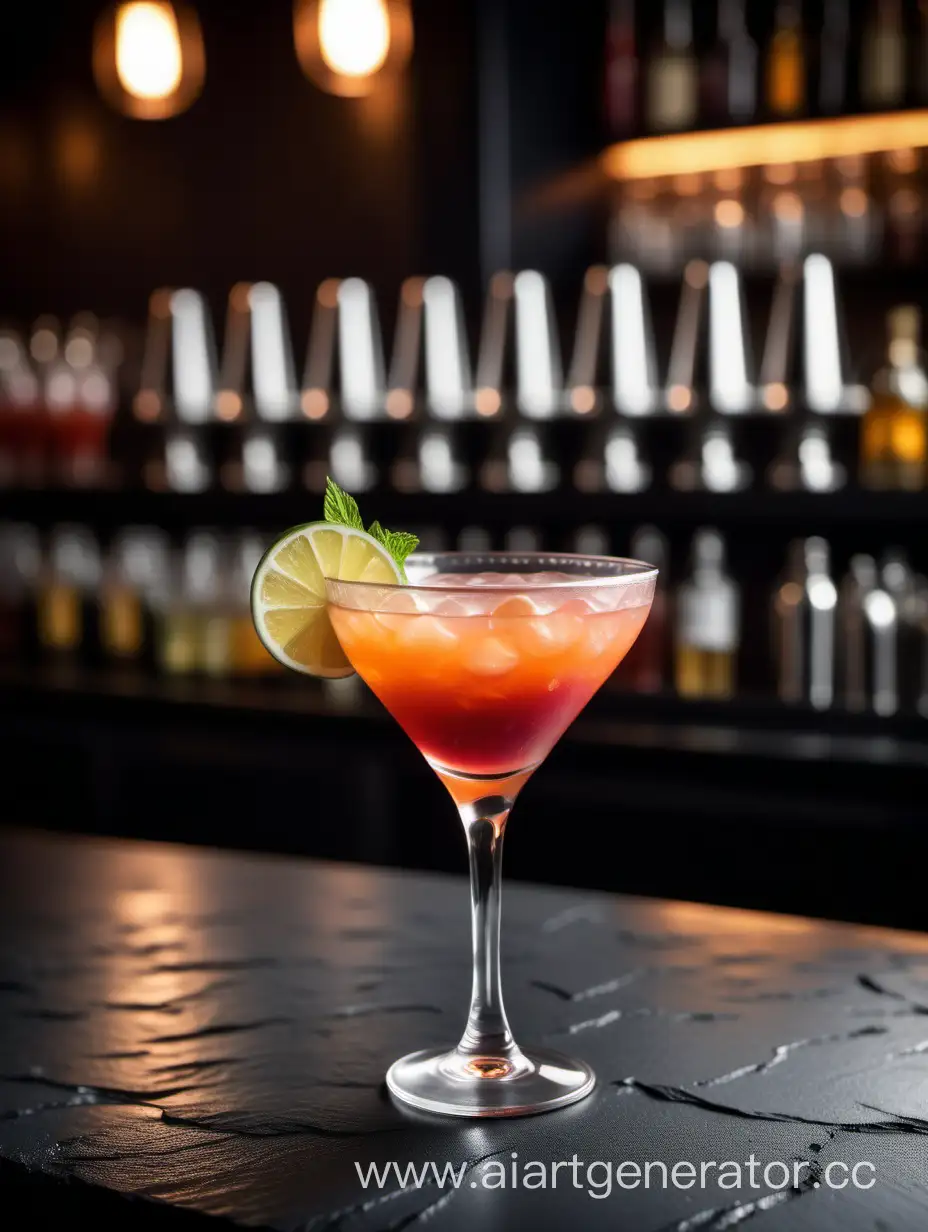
{"type": "Point", "coordinates": [641, 571]}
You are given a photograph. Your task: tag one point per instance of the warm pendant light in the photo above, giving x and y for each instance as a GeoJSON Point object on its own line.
{"type": "Point", "coordinates": [348, 46]}
{"type": "Point", "coordinates": [148, 58]}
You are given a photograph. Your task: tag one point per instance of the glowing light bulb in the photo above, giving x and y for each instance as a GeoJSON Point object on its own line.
{"type": "Point", "coordinates": [354, 36]}
{"type": "Point", "coordinates": [149, 60]}
{"type": "Point", "coordinates": [348, 46]}
{"type": "Point", "coordinates": [148, 57]}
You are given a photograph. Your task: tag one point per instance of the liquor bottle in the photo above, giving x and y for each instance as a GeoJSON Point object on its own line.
{"type": "Point", "coordinates": [786, 66]}
{"type": "Point", "coordinates": [832, 79]}
{"type": "Point", "coordinates": [881, 633]}
{"type": "Point", "coordinates": [209, 591]}
{"type": "Point", "coordinates": [707, 630]}
{"type": "Point", "coordinates": [854, 645]}
{"type": "Point", "coordinates": [898, 580]}
{"type": "Point", "coordinates": [20, 559]}
{"type": "Point", "coordinates": [804, 616]}
{"type": "Point", "coordinates": [136, 569]}
{"type": "Point", "coordinates": [671, 101]}
{"type": "Point", "coordinates": [195, 625]}
{"type": "Point", "coordinates": [80, 398]}
{"type": "Point", "coordinates": [894, 440]}
{"type": "Point", "coordinates": [728, 71]}
{"type": "Point", "coordinates": [644, 668]}
{"type": "Point", "coordinates": [868, 640]}
{"type": "Point", "coordinates": [248, 654]}
{"type": "Point", "coordinates": [67, 583]}
{"type": "Point", "coordinates": [883, 54]}
{"type": "Point", "coordinates": [621, 70]}
{"type": "Point", "coordinates": [176, 632]}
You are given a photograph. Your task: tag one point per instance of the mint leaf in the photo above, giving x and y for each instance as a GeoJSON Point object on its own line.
{"type": "Point", "coordinates": [376, 531]}
{"type": "Point", "coordinates": [341, 508]}
{"type": "Point", "coordinates": [399, 543]}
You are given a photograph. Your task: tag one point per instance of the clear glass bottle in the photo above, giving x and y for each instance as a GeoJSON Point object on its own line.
{"type": "Point", "coordinates": [135, 573]}
{"type": "Point", "coordinates": [707, 633]}
{"type": "Point", "coordinates": [898, 580]}
{"type": "Point", "coordinates": [741, 61]}
{"type": "Point", "coordinates": [66, 589]}
{"type": "Point", "coordinates": [248, 654]}
{"type": "Point", "coordinates": [209, 590]}
{"type": "Point", "coordinates": [894, 439]}
{"type": "Point", "coordinates": [175, 622]}
{"type": "Point", "coordinates": [786, 62]}
{"type": "Point", "coordinates": [869, 628]}
{"type": "Point", "coordinates": [672, 84]}
{"type": "Point", "coordinates": [804, 619]}
{"type": "Point", "coordinates": [883, 55]}
{"type": "Point", "coordinates": [195, 623]}
{"type": "Point", "coordinates": [854, 645]}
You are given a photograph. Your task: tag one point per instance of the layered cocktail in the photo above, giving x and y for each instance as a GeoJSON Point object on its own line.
{"type": "Point", "coordinates": [484, 660]}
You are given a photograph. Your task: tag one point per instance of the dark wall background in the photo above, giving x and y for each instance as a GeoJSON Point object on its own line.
{"type": "Point", "coordinates": [458, 167]}
{"type": "Point", "coordinates": [266, 176]}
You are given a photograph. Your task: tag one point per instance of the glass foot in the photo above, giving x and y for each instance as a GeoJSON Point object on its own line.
{"type": "Point", "coordinates": [518, 1084]}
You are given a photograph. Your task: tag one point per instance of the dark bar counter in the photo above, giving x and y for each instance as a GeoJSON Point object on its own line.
{"type": "Point", "coordinates": [187, 1034]}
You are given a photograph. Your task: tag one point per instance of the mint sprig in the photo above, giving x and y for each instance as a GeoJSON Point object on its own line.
{"type": "Point", "coordinates": [342, 509]}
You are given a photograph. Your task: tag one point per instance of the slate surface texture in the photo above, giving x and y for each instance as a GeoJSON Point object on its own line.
{"type": "Point", "coordinates": [189, 1036]}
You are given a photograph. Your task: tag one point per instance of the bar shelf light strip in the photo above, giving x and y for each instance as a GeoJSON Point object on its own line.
{"type": "Point", "coordinates": [763, 144]}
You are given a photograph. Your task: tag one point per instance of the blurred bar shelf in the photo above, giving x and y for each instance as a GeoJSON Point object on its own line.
{"type": "Point", "coordinates": [851, 506]}
{"type": "Point", "coordinates": [758, 145]}
{"type": "Point", "coordinates": [761, 797]}
{"type": "Point", "coordinates": [745, 727]}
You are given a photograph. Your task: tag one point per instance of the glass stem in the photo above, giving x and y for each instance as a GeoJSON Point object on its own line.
{"type": "Point", "coordinates": [487, 1033]}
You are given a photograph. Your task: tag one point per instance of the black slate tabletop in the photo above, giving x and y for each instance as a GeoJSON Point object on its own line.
{"type": "Point", "coordinates": [206, 1034]}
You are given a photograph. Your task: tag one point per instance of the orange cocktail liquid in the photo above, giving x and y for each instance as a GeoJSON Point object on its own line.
{"type": "Point", "coordinates": [487, 694]}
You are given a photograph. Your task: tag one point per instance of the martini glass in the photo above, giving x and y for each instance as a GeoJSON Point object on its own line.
{"type": "Point", "coordinates": [484, 659]}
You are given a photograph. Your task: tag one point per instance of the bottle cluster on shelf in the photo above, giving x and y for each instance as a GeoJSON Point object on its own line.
{"type": "Point", "coordinates": [681, 65]}
{"type": "Point", "coordinates": [141, 601]}
{"type": "Point", "coordinates": [59, 390]}
{"type": "Point", "coordinates": [613, 418]}
{"type": "Point", "coordinates": [859, 643]}
{"type": "Point", "coordinates": [855, 209]}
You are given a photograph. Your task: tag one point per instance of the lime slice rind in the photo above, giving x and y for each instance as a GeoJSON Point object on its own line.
{"type": "Point", "coordinates": [290, 579]}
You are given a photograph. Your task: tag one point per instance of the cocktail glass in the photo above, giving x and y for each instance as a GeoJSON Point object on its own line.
{"type": "Point", "coordinates": [484, 659]}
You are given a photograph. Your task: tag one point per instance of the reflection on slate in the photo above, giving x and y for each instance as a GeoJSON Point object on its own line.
{"type": "Point", "coordinates": [210, 1031]}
